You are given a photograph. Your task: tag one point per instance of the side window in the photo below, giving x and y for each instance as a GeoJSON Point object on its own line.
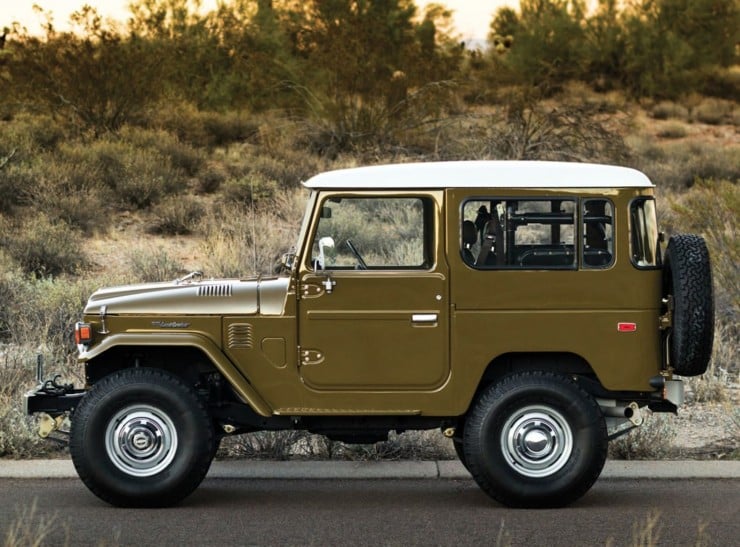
{"type": "Point", "coordinates": [644, 234]}
{"type": "Point", "coordinates": [511, 233]}
{"type": "Point", "coordinates": [598, 233]}
{"type": "Point", "coordinates": [373, 233]}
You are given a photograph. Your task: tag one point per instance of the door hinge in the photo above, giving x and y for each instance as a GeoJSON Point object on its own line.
{"type": "Point", "coordinates": [309, 356]}
{"type": "Point", "coordinates": [665, 321]}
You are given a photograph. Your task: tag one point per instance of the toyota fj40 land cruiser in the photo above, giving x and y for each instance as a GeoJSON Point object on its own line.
{"type": "Point", "coordinates": [524, 308]}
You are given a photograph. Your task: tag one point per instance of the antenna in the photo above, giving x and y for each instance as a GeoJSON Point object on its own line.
{"type": "Point", "coordinates": [254, 227]}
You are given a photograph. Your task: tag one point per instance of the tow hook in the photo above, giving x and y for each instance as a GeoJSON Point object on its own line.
{"type": "Point", "coordinates": [47, 425]}
{"type": "Point", "coordinates": [634, 414]}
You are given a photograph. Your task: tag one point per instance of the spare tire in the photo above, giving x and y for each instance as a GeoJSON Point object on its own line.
{"type": "Point", "coordinates": [687, 278]}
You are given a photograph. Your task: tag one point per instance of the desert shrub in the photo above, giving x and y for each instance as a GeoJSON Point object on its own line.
{"type": "Point", "coordinates": [333, 126]}
{"type": "Point", "coordinates": [153, 265]}
{"type": "Point", "coordinates": [665, 110]}
{"type": "Point", "coordinates": [133, 176]}
{"type": "Point", "coordinates": [43, 247]}
{"type": "Point", "coordinates": [530, 129]}
{"type": "Point", "coordinates": [41, 313]}
{"type": "Point", "coordinates": [30, 133]}
{"type": "Point", "coordinates": [286, 445]}
{"type": "Point", "coordinates": [411, 445]}
{"type": "Point", "coordinates": [674, 130]}
{"type": "Point", "coordinates": [269, 445]}
{"type": "Point", "coordinates": [202, 128]}
{"type": "Point", "coordinates": [653, 440]}
{"type": "Point", "coordinates": [250, 189]}
{"type": "Point", "coordinates": [67, 191]}
{"type": "Point", "coordinates": [210, 179]}
{"type": "Point", "coordinates": [182, 156]}
{"type": "Point", "coordinates": [711, 387]}
{"type": "Point", "coordinates": [710, 209]}
{"type": "Point", "coordinates": [679, 165]}
{"type": "Point", "coordinates": [176, 216]}
{"type": "Point", "coordinates": [18, 437]}
{"type": "Point", "coordinates": [713, 111]}
{"type": "Point", "coordinates": [239, 239]}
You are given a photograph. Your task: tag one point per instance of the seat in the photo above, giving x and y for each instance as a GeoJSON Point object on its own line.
{"type": "Point", "coordinates": [469, 237]}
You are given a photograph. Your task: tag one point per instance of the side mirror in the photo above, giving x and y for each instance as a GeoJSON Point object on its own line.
{"type": "Point", "coordinates": [324, 243]}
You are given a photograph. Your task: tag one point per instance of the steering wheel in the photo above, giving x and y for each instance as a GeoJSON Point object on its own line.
{"type": "Point", "coordinates": [358, 256]}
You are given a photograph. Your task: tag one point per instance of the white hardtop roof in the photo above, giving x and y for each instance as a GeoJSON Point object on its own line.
{"type": "Point", "coordinates": [481, 174]}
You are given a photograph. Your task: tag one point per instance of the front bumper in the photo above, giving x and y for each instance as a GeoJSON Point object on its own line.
{"type": "Point", "coordinates": [53, 402]}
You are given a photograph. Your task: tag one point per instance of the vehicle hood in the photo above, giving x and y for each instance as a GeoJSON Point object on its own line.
{"type": "Point", "coordinates": [264, 296]}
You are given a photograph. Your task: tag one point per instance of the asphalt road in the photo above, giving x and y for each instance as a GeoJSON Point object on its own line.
{"type": "Point", "coordinates": [379, 512]}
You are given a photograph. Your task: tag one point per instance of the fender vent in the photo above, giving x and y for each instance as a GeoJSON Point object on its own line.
{"type": "Point", "coordinates": [214, 290]}
{"type": "Point", "coordinates": [240, 336]}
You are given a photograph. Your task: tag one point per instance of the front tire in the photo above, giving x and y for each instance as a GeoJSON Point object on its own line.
{"type": "Point", "coordinates": [535, 439]}
{"type": "Point", "coordinates": [141, 438]}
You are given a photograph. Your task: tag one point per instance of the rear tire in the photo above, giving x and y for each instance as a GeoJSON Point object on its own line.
{"type": "Point", "coordinates": [141, 438]}
{"type": "Point", "coordinates": [535, 439]}
{"type": "Point", "coordinates": [687, 277]}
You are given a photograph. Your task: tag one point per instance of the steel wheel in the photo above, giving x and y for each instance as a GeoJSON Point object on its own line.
{"type": "Point", "coordinates": [536, 441]}
{"type": "Point", "coordinates": [141, 440]}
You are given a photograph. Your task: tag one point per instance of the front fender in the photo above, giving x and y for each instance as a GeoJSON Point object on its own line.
{"type": "Point", "coordinates": [180, 339]}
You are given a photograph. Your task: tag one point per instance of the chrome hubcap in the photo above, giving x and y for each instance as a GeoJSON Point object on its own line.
{"type": "Point", "coordinates": [141, 440]}
{"type": "Point", "coordinates": [536, 441]}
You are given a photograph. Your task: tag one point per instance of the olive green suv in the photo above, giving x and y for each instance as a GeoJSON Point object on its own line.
{"type": "Point", "coordinates": [525, 308]}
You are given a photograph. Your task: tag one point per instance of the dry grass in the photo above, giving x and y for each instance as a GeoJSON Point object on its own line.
{"type": "Point", "coordinates": [31, 529]}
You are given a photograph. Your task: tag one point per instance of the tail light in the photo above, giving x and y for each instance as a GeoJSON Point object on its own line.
{"type": "Point", "coordinates": [83, 333]}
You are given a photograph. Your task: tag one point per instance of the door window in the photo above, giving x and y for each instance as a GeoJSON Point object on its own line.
{"type": "Point", "coordinates": [373, 233]}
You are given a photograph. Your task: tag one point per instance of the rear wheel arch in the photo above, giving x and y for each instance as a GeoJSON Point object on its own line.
{"type": "Point", "coordinates": [562, 363]}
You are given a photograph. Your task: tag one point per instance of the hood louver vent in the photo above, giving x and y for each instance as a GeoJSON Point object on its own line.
{"type": "Point", "coordinates": [240, 336]}
{"type": "Point", "coordinates": [214, 290]}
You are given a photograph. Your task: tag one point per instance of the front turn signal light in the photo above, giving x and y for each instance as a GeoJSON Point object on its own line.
{"type": "Point", "coordinates": [83, 333]}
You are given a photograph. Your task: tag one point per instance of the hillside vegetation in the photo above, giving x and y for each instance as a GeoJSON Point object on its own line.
{"type": "Point", "coordinates": [140, 152]}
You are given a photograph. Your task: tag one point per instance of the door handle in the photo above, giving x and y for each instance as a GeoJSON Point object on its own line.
{"type": "Point", "coordinates": [424, 318]}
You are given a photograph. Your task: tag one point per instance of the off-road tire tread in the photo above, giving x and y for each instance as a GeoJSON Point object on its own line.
{"type": "Point", "coordinates": [688, 277]}
{"type": "Point", "coordinates": [487, 403]}
{"type": "Point", "coordinates": [144, 377]}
